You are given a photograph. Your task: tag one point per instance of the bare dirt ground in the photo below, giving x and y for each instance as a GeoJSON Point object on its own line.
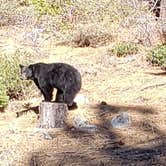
{"type": "Point", "coordinates": [126, 84]}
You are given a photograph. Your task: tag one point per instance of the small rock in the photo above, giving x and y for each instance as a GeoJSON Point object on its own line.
{"type": "Point", "coordinates": [121, 120]}
{"type": "Point", "coordinates": [82, 124]}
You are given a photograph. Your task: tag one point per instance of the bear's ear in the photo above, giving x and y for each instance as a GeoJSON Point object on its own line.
{"type": "Point", "coordinates": [31, 67]}
{"type": "Point", "coordinates": [21, 66]}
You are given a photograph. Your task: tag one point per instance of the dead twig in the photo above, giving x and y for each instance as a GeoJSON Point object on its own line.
{"type": "Point", "coordinates": [153, 86]}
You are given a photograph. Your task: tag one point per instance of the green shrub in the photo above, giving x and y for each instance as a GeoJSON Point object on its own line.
{"type": "Point", "coordinates": [11, 86]}
{"type": "Point", "coordinates": [4, 99]}
{"type": "Point", "coordinates": [3, 96]}
{"type": "Point", "coordinates": [48, 7]}
{"type": "Point", "coordinates": [157, 55]}
{"type": "Point", "coordinates": [94, 34]}
{"type": "Point", "coordinates": [123, 49]}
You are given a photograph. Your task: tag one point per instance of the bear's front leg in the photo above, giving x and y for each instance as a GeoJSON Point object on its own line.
{"type": "Point", "coordinates": [47, 93]}
{"type": "Point", "coordinates": [45, 88]}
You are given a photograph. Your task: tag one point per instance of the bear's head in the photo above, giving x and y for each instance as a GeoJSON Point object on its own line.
{"type": "Point", "coordinates": [26, 72]}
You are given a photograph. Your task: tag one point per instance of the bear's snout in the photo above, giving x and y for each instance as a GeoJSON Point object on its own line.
{"type": "Point", "coordinates": [23, 77]}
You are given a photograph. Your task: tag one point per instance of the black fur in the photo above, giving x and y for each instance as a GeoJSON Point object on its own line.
{"type": "Point", "coordinates": [65, 78]}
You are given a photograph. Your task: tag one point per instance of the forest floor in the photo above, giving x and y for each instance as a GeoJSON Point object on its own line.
{"type": "Point", "coordinates": [110, 85]}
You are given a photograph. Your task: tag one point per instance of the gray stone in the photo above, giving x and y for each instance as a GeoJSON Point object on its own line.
{"type": "Point", "coordinates": [121, 120]}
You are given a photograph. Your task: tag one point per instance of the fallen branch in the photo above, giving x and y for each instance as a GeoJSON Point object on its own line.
{"type": "Point", "coordinates": [153, 86]}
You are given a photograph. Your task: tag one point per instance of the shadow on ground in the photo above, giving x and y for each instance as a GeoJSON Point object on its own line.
{"type": "Point", "coordinates": [107, 147]}
{"type": "Point", "coordinates": [104, 107]}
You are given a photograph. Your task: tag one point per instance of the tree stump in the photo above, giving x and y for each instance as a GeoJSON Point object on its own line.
{"type": "Point", "coordinates": [52, 115]}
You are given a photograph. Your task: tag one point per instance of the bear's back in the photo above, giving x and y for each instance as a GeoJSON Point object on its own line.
{"type": "Point", "coordinates": [59, 74]}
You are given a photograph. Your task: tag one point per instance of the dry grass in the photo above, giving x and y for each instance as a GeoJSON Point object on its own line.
{"type": "Point", "coordinates": [125, 84]}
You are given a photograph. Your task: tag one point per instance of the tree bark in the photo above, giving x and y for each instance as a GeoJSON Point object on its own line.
{"type": "Point", "coordinates": [52, 115]}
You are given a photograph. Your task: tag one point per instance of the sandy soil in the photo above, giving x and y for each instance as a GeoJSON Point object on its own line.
{"type": "Point", "coordinates": [126, 84]}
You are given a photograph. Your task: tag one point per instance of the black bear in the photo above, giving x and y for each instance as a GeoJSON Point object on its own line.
{"type": "Point", "coordinates": [65, 78]}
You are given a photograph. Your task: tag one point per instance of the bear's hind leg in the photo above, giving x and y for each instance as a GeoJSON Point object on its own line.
{"type": "Point", "coordinates": [59, 96]}
{"type": "Point", "coordinates": [69, 97]}
{"type": "Point", "coordinates": [69, 100]}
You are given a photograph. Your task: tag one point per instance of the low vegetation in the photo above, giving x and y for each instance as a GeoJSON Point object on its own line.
{"type": "Point", "coordinates": [48, 7]}
{"type": "Point", "coordinates": [123, 49]}
{"type": "Point", "coordinates": [157, 56]}
{"type": "Point", "coordinates": [3, 95]}
{"type": "Point", "coordinates": [11, 86]}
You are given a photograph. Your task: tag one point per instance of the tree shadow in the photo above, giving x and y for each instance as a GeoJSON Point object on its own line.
{"type": "Point", "coordinates": [136, 155]}
{"type": "Point", "coordinates": [105, 108]}
{"type": "Point", "coordinates": [150, 152]}
{"type": "Point", "coordinates": [106, 146]}
{"type": "Point", "coordinates": [64, 158]}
